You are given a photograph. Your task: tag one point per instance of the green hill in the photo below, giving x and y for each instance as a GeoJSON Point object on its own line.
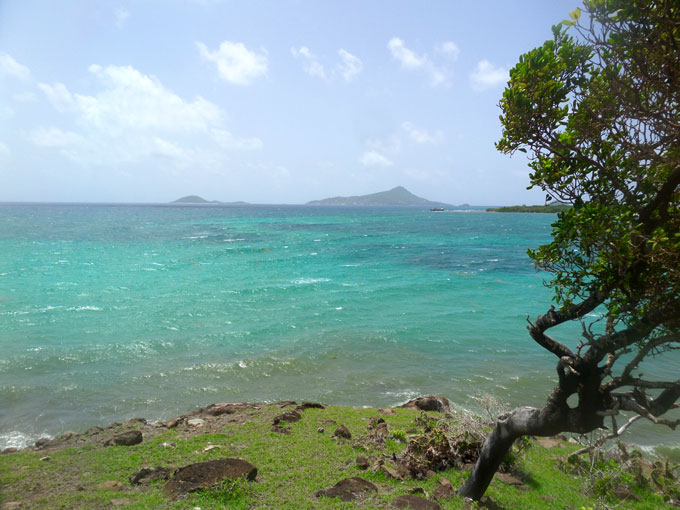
{"type": "Point", "coordinates": [550, 208]}
{"type": "Point", "coordinates": [398, 196]}
{"type": "Point", "coordinates": [194, 199]}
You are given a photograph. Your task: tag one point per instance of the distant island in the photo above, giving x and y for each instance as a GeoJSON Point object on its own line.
{"type": "Point", "coordinates": [550, 208]}
{"type": "Point", "coordinates": [398, 196]}
{"type": "Point", "coordinates": [195, 199]}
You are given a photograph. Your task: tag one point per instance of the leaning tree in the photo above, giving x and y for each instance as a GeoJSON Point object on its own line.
{"type": "Point", "coordinates": [597, 110]}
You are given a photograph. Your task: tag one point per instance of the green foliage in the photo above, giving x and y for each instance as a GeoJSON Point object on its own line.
{"type": "Point", "coordinates": [550, 209]}
{"type": "Point", "coordinates": [597, 113]}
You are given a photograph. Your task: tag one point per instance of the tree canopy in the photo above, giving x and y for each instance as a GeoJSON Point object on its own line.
{"type": "Point", "coordinates": [597, 111]}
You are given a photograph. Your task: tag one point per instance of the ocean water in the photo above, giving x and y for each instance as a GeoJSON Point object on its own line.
{"type": "Point", "coordinates": [114, 311]}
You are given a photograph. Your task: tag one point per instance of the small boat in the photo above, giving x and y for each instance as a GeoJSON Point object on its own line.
{"type": "Point", "coordinates": [437, 209]}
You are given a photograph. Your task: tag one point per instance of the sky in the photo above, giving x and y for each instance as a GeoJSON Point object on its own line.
{"type": "Point", "coordinates": [264, 101]}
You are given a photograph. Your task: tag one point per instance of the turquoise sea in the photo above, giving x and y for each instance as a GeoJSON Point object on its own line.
{"type": "Point", "coordinates": [114, 311]}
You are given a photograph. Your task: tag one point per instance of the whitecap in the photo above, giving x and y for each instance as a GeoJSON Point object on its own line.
{"type": "Point", "coordinates": [308, 281]}
{"type": "Point", "coordinates": [16, 439]}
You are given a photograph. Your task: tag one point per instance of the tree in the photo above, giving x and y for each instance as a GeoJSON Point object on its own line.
{"type": "Point", "coordinates": [598, 113]}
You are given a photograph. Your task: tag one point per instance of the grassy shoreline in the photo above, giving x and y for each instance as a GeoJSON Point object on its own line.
{"type": "Point", "coordinates": [80, 471]}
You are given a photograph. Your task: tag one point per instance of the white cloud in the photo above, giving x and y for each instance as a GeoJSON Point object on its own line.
{"type": "Point", "coordinates": [375, 159]}
{"type": "Point", "coordinates": [486, 75]}
{"type": "Point", "coordinates": [132, 100]}
{"type": "Point", "coordinates": [450, 49]}
{"type": "Point", "coordinates": [11, 67]}
{"type": "Point", "coordinates": [227, 140]}
{"type": "Point", "coordinates": [235, 63]}
{"type": "Point", "coordinates": [311, 64]}
{"type": "Point", "coordinates": [407, 58]}
{"type": "Point", "coordinates": [422, 136]}
{"type": "Point", "coordinates": [121, 17]}
{"type": "Point", "coordinates": [350, 65]}
{"type": "Point", "coordinates": [134, 118]}
{"type": "Point", "coordinates": [411, 61]}
{"type": "Point", "coordinates": [58, 95]}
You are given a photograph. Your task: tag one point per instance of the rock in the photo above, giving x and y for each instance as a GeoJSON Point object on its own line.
{"type": "Point", "coordinates": [211, 447]}
{"type": "Point", "coordinates": [134, 421]}
{"type": "Point", "coordinates": [196, 422]}
{"type": "Point", "coordinates": [286, 403]}
{"type": "Point", "coordinates": [429, 473]}
{"type": "Point", "coordinates": [512, 480]}
{"type": "Point", "coordinates": [418, 490]}
{"type": "Point", "coordinates": [389, 412]}
{"type": "Point", "coordinates": [392, 473]}
{"type": "Point", "coordinates": [68, 435]}
{"type": "Point", "coordinates": [203, 475]}
{"type": "Point", "coordinates": [445, 489]}
{"type": "Point", "coordinates": [374, 421]}
{"type": "Point", "coordinates": [45, 458]}
{"type": "Point", "coordinates": [121, 501]}
{"type": "Point", "coordinates": [42, 442]}
{"type": "Point", "coordinates": [430, 403]}
{"type": "Point", "coordinates": [342, 431]}
{"type": "Point", "coordinates": [8, 450]}
{"type": "Point", "coordinates": [350, 489]}
{"type": "Point", "coordinates": [112, 485]}
{"type": "Point", "coordinates": [624, 492]}
{"type": "Point", "coordinates": [362, 463]}
{"type": "Point", "coordinates": [174, 422]}
{"type": "Point", "coordinates": [167, 444]}
{"type": "Point", "coordinates": [320, 430]}
{"type": "Point", "coordinates": [147, 475]}
{"type": "Point", "coordinates": [93, 430]}
{"type": "Point", "coordinates": [128, 438]}
{"type": "Point", "coordinates": [280, 430]}
{"type": "Point", "coordinates": [288, 416]}
{"type": "Point", "coordinates": [415, 503]}
{"type": "Point", "coordinates": [309, 405]}
{"type": "Point", "coordinates": [226, 408]}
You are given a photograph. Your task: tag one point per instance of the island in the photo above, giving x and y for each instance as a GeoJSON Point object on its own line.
{"type": "Point", "coordinates": [195, 199]}
{"type": "Point", "coordinates": [398, 196]}
{"type": "Point", "coordinates": [549, 208]}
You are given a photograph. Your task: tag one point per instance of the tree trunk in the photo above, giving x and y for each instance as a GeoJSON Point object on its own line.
{"type": "Point", "coordinates": [521, 421]}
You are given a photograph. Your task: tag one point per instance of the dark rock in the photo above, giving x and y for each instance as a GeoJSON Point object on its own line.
{"type": "Point", "coordinates": [280, 430]}
{"type": "Point", "coordinates": [134, 421]}
{"type": "Point", "coordinates": [203, 475]}
{"type": "Point", "coordinates": [42, 442]}
{"type": "Point", "coordinates": [128, 438]}
{"type": "Point", "coordinates": [93, 430]}
{"type": "Point", "coordinates": [68, 435]}
{"type": "Point", "coordinates": [226, 408]}
{"type": "Point", "coordinates": [286, 403]}
{"type": "Point", "coordinates": [374, 421]}
{"type": "Point", "coordinates": [289, 416]}
{"type": "Point", "coordinates": [320, 430]}
{"type": "Point", "coordinates": [342, 431]}
{"type": "Point", "coordinates": [147, 475]}
{"type": "Point", "coordinates": [430, 403]}
{"type": "Point", "coordinates": [624, 492]}
{"type": "Point", "coordinates": [362, 463]}
{"type": "Point", "coordinates": [390, 412]}
{"type": "Point", "coordinates": [8, 450]}
{"type": "Point", "coordinates": [310, 405]}
{"type": "Point", "coordinates": [512, 480]}
{"type": "Point", "coordinates": [429, 473]}
{"type": "Point", "coordinates": [392, 473]}
{"type": "Point", "coordinates": [418, 490]}
{"type": "Point", "coordinates": [349, 489]}
{"type": "Point", "coordinates": [414, 503]}
{"type": "Point", "coordinates": [174, 422]}
{"type": "Point", "coordinates": [46, 457]}
{"type": "Point", "coordinates": [445, 490]}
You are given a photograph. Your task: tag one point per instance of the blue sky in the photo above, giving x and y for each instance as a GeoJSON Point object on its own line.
{"type": "Point", "coordinates": [280, 101]}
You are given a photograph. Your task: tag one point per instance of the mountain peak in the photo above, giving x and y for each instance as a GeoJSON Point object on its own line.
{"type": "Point", "coordinates": [398, 196]}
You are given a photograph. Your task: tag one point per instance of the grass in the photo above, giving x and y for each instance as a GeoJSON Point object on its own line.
{"type": "Point", "coordinates": [291, 468]}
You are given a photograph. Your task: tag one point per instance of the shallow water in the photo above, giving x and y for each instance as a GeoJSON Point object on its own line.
{"type": "Point", "coordinates": [111, 311]}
